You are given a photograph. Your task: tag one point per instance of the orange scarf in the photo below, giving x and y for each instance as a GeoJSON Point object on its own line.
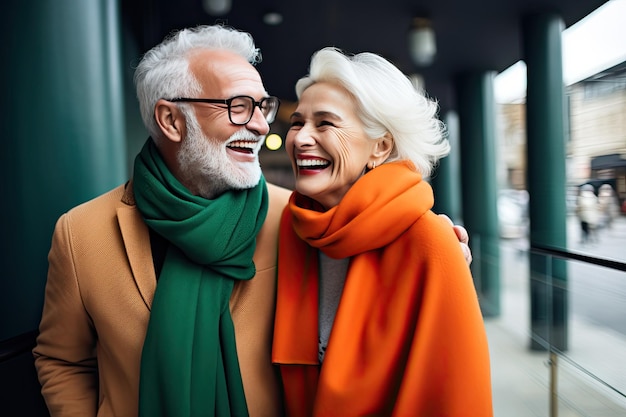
{"type": "Point", "coordinates": [408, 338]}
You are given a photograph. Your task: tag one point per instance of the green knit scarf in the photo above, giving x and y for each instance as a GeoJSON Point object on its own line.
{"type": "Point", "coordinates": [189, 364]}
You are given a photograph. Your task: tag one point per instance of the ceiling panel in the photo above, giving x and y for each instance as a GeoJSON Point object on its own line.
{"type": "Point", "coordinates": [471, 35]}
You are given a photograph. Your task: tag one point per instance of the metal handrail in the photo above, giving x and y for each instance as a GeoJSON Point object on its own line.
{"type": "Point", "coordinates": [556, 353]}
{"type": "Point", "coordinates": [563, 254]}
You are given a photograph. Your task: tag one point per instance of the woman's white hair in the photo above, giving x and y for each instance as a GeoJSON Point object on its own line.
{"type": "Point", "coordinates": [163, 72]}
{"type": "Point", "coordinates": [386, 101]}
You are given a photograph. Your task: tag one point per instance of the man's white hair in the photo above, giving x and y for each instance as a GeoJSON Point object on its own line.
{"type": "Point", "coordinates": [163, 72]}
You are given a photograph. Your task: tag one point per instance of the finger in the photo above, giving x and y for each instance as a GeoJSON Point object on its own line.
{"type": "Point", "coordinates": [462, 234]}
{"type": "Point", "coordinates": [467, 253]}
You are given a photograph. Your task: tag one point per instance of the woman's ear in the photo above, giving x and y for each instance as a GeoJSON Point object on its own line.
{"type": "Point", "coordinates": [170, 120]}
{"type": "Point", "coordinates": [382, 149]}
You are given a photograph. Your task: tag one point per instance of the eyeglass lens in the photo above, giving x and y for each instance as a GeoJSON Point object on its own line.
{"type": "Point", "coordinates": [242, 109]}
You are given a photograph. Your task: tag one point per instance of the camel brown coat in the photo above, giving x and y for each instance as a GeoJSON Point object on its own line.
{"type": "Point", "coordinates": [101, 283]}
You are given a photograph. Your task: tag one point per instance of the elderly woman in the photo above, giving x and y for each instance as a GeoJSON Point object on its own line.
{"type": "Point", "coordinates": [377, 312]}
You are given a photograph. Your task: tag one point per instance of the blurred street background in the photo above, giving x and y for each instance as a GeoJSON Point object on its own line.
{"type": "Point", "coordinates": [591, 375]}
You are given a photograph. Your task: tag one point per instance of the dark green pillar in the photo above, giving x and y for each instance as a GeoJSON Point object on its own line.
{"type": "Point", "coordinates": [476, 103]}
{"type": "Point", "coordinates": [446, 179]}
{"type": "Point", "coordinates": [63, 134]}
{"type": "Point", "coordinates": [546, 177]}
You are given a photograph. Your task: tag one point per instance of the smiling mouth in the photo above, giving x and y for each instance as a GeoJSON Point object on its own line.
{"type": "Point", "coordinates": [318, 164]}
{"type": "Point", "coordinates": [243, 146]}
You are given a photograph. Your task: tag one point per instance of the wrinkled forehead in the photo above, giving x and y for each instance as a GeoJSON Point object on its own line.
{"type": "Point", "coordinates": [225, 73]}
{"type": "Point", "coordinates": [328, 96]}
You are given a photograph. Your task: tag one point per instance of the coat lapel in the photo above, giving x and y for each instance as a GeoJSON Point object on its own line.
{"type": "Point", "coordinates": [137, 243]}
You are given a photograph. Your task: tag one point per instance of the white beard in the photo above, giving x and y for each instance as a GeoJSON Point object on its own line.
{"type": "Point", "coordinates": [206, 167]}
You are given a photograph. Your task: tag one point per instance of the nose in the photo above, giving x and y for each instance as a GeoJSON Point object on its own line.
{"type": "Point", "coordinates": [302, 137]}
{"type": "Point", "coordinates": [258, 123]}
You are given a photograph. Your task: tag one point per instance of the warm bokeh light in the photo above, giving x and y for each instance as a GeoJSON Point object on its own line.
{"type": "Point", "coordinates": [273, 142]}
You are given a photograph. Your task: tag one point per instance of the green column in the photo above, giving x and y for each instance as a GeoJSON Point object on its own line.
{"type": "Point", "coordinates": [546, 177]}
{"type": "Point", "coordinates": [476, 103]}
{"type": "Point", "coordinates": [446, 180]}
{"type": "Point", "coordinates": [63, 139]}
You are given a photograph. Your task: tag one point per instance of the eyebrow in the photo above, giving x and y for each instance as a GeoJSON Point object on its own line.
{"type": "Point", "coordinates": [319, 115]}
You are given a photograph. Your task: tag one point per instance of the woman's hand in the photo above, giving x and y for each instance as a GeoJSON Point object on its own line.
{"type": "Point", "coordinates": [463, 236]}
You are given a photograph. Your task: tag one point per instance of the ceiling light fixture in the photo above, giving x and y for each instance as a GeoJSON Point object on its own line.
{"type": "Point", "coordinates": [272, 18]}
{"type": "Point", "coordinates": [217, 7]}
{"type": "Point", "coordinates": [422, 45]}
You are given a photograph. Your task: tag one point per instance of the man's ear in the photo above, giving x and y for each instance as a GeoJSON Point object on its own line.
{"type": "Point", "coordinates": [170, 120]}
{"type": "Point", "coordinates": [383, 148]}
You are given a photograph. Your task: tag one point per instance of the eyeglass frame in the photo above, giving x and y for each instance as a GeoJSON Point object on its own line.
{"type": "Point", "coordinates": [228, 103]}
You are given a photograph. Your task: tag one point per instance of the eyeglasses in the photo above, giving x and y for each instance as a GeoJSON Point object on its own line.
{"type": "Point", "coordinates": [241, 108]}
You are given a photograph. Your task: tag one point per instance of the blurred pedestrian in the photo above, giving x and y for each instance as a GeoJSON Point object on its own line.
{"type": "Point", "coordinates": [588, 212]}
{"type": "Point", "coordinates": [609, 206]}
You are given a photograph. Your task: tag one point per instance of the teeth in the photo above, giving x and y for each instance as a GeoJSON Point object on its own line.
{"type": "Point", "coordinates": [312, 162]}
{"type": "Point", "coordinates": [243, 144]}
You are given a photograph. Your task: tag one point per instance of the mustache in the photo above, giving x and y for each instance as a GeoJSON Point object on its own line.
{"type": "Point", "coordinates": [245, 134]}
